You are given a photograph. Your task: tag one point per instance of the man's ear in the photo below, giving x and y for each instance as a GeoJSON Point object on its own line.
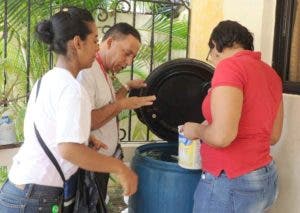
{"type": "Point", "coordinates": [109, 42]}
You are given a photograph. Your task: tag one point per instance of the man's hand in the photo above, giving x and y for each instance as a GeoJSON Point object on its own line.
{"type": "Point", "coordinates": [136, 84]}
{"type": "Point", "coordinates": [136, 102]}
{"type": "Point", "coordinates": [96, 144]}
{"type": "Point", "coordinates": [133, 84]}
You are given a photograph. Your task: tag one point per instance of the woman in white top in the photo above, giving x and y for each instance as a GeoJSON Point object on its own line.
{"type": "Point", "coordinates": [61, 113]}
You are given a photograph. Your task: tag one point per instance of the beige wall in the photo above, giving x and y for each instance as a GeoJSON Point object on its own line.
{"type": "Point", "coordinates": [6, 156]}
{"type": "Point", "coordinates": [287, 158]}
{"type": "Point", "coordinates": [205, 14]}
{"type": "Point", "coordinates": [267, 30]}
{"type": "Point", "coordinates": [257, 15]}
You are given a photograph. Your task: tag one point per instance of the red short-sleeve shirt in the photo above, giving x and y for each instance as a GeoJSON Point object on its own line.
{"type": "Point", "coordinates": [262, 94]}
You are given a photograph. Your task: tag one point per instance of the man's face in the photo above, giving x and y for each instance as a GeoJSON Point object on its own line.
{"type": "Point", "coordinates": [121, 52]}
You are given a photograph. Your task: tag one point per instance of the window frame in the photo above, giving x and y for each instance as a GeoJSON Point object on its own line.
{"type": "Point", "coordinates": [285, 11]}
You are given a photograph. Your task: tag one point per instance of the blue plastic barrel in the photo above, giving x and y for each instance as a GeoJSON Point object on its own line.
{"type": "Point", "coordinates": [164, 187]}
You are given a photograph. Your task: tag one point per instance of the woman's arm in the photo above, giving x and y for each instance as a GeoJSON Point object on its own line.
{"type": "Point", "coordinates": [277, 127]}
{"type": "Point", "coordinates": [226, 107]}
{"type": "Point", "coordinates": [89, 159]}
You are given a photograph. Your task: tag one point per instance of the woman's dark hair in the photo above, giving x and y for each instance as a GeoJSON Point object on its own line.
{"type": "Point", "coordinates": [63, 26]}
{"type": "Point", "coordinates": [227, 33]}
{"type": "Point", "coordinates": [121, 29]}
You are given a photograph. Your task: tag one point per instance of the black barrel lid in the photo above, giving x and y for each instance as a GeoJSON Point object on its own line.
{"type": "Point", "coordinates": [180, 86]}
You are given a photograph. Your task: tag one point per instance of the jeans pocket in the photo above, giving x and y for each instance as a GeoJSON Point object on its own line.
{"type": "Point", "coordinates": [202, 195]}
{"type": "Point", "coordinates": [204, 186]}
{"type": "Point", "coordinates": [273, 192]}
{"type": "Point", "coordinates": [248, 201]}
{"type": "Point", "coordinates": [10, 205]}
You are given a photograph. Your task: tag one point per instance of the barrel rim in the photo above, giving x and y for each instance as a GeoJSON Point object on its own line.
{"type": "Point", "coordinates": [154, 163]}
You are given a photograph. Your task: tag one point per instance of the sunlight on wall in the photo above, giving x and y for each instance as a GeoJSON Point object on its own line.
{"type": "Point", "coordinates": [205, 15]}
{"type": "Point", "coordinates": [248, 13]}
{"type": "Point", "coordinates": [257, 15]}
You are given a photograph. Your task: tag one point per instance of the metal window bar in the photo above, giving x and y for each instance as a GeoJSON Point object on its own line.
{"type": "Point", "coordinates": [28, 49]}
{"type": "Point", "coordinates": [132, 7]}
{"type": "Point", "coordinates": [171, 32]}
{"type": "Point", "coordinates": [152, 56]}
{"type": "Point", "coordinates": [131, 77]}
{"type": "Point", "coordinates": [5, 35]}
{"type": "Point", "coordinates": [50, 52]}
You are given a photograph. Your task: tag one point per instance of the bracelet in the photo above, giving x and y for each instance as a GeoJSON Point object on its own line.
{"type": "Point", "coordinates": [126, 87]}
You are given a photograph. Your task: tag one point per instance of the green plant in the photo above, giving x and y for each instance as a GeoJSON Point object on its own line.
{"type": "Point", "coordinates": [26, 59]}
{"type": "Point", "coordinates": [13, 96]}
{"type": "Point", "coordinates": [3, 174]}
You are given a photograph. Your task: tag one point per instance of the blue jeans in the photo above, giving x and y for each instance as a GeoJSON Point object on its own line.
{"type": "Point", "coordinates": [33, 198]}
{"type": "Point", "coordinates": [251, 193]}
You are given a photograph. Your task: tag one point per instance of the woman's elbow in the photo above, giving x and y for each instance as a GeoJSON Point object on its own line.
{"type": "Point", "coordinates": [276, 134]}
{"type": "Point", "coordinates": [221, 143]}
{"type": "Point", "coordinates": [274, 139]}
{"type": "Point", "coordinates": [224, 139]}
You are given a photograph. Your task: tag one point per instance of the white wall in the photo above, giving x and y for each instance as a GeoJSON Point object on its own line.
{"type": "Point", "coordinates": [267, 30]}
{"type": "Point", "coordinates": [259, 17]}
{"type": "Point", "coordinates": [248, 13]}
{"type": "Point", "coordinates": [287, 158]}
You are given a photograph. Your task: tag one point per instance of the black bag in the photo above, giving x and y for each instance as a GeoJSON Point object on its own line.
{"type": "Point", "coordinates": [81, 194]}
{"type": "Point", "coordinates": [67, 198]}
{"type": "Point", "coordinates": [88, 197]}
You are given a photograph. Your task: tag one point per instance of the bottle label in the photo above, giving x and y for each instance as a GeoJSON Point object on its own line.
{"type": "Point", "coordinates": [188, 152]}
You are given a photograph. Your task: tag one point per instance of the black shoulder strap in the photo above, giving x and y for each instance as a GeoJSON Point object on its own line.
{"type": "Point", "coordinates": [38, 88]}
{"type": "Point", "coordinates": [49, 153]}
{"type": "Point", "coordinates": [42, 143]}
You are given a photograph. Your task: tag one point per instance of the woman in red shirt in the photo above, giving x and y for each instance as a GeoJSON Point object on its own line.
{"type": "Point", "coordinates": [244, 115]}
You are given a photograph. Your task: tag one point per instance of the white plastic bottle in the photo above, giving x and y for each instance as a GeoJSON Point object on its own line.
{"type": "Point", "coordinates": [188, 152]}
{"type": "Point", "coordinates": [7, 130]}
